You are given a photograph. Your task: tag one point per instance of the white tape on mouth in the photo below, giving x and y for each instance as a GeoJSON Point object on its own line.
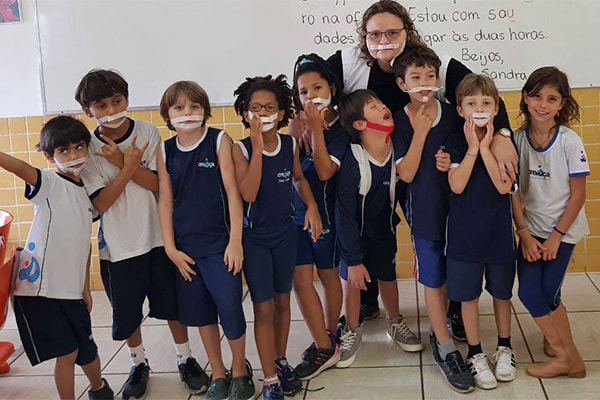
{"type": "Point", "coordinates": [321, 102]}
{"type": "Point", "coordinates": [267, 122]}
{"type": "Point", "coordinates": [389, 46]}
{"type": "Point", "coordinates": [481, 119]}
{"type": "Point", "coordinates": [423, 89]}
{"type": "Point", "coordinates": [188, 121]}
{"type": "Point", "coordinates": [106, 121]}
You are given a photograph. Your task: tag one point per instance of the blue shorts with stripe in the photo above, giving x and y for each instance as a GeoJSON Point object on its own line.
{"type": "Point", "coordinates": [430, 262]}
{"type": "Point", "coordinates": [323, 253]}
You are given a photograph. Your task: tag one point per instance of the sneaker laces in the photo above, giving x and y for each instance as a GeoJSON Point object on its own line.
{"type": "Point", "coordinates": [348, 338]}
{"type": "Point", "coordinates": [504, 356]}
{"type": "Point", "coordinates": [191, 368]}
{"type": "Point", "coordinates": [403, 328]}
{"type": "Point", "coordinates": [479, 363]}
{"type": "Point", "coordinates": [138, 372]}
{"type": "Point", "coordinates": [457, 365]}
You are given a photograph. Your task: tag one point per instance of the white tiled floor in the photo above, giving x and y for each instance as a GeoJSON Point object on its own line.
{"type": "Point", "coordinates": [381, 371]}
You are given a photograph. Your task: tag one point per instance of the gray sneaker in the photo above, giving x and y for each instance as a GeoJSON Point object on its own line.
{"type": "Point", "coordinates": [399, 332]}
{"type": "Point", "coordinates": [349, 346]}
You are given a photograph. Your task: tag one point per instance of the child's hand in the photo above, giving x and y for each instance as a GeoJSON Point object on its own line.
{"type": "Point", "coordinates": [358, 275]}
{"type": "Point", "coordinates": [133, 155]}
{"type": "Point", "coordinates": [314, 119]}
{"type": "Point", "coordinates": [470, 135]}
{"type": "Point", "coordinates": [442, 161]}
{"type": "Point", "coordinates": [111, 152]}
{"type": "Point", "coordinates": [489, 134]}
{"type": "Point", "coordinates": [313, 220]}
{"type": "Point", "coordinates": [182, 261]}
{"type": "Point", "coordinates": [421, 123]}
{"type": "Point", "coordinates": [86, 296]}
{"type": "Point", "coordinates": [234, 257]}
{"type": "Point", "coordinates": [256, 137]}
{"type": "Point", "coordinates": [552, 244]}
{"type": "Point", "coordinates": [532, 249]}
{"type": "Point", "coordinates": [301, 132]}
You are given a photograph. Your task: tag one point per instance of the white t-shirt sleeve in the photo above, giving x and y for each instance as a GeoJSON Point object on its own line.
{"type": "Point", "coordinates": [39, 192]}
{"type": "Point", "coordinates": [92, 179]}
{"type": "Point", "coordinates": [150, 154]}
{"type": "Point", "coordinates": [575, 155]}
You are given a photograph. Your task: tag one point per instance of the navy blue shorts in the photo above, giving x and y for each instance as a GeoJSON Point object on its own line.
{"type": "Point", "coordinates": [269, 261]}
{"type": "Point", "coordinates": [465, 280]}
{"type": "Point", "coordinates": [214, 293]}
{"type": "Point", "coordinates": [430, 262]}
{"type": "Point", "coordinates": [51, 328]}
{"type": "Point", "coordinates": [324, 253]}
{"type": "Point", "coordinates": [127, 284]}
{"type": "Point", "coordinates": [379, 258]}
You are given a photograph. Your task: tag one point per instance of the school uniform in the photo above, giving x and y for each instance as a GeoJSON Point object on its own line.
{"type": "Point", "coordinates": [133, 263]}
{"type": "Point", "coordinates": [479, 236]}
{"type": "Point", "coordinates": [428, 194]}
{"type": "Point", "coordinates": [202, 225]}
{"type": "Point", "coordinates": [365, 214]}
{"type": "Point", "coordinates": [544, 194]}
{"type": "Point", "coordinates": [51, 316]}
{"type": "Point", "coordinates": [323, 253]}
{"type": "Point", "coordinates": [269, 237]}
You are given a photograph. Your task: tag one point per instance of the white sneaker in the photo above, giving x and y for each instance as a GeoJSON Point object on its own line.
{"type": "Point", "coordinates": [504, 364]}
{"type": "Point", "coordinates": [480, 369]}
{"type": "Point", "coordinates": [349, 346]}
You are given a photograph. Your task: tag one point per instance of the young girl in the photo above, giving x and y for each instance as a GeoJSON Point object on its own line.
{"type": "Point", "coordinates": [200, 212]}
{"type": "Point", "coordinates": [549, 212]}
{"type": "Point", "coordinates": [316, 93]}
{"type": "Point", "coordinates": [265, 164]}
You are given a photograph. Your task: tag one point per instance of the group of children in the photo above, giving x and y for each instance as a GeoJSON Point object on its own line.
{"type": "Point", "coordinates": [268, 207]}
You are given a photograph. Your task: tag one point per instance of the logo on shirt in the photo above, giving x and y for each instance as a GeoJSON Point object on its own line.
{"type": "Point", "coordinates": [386, 183]}
{"type": "Point", "coordinates": [31, 271]}
{"type": "Point", "coordinates": [144, 164]}
{"type": "Point", "coordinates": [283, 176]}
{"type": "Point", "coordinates": [583, 159]}
{"type": "Point", "coordinates": [539, 173]}
{"type": "Point", "coordinates": [206, 164]}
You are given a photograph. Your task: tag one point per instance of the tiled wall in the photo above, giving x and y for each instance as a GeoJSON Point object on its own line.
{"type": "Point", "coordinates": [18, 137]}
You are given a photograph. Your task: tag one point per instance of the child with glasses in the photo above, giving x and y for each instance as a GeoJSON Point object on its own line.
{"type": "Point", "coordinates": [266, 165]}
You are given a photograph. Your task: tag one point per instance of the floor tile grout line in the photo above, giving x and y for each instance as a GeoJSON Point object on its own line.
{"type": "Point", "coordinates": [593, 283]}
{"type": "Point", "coordinates": [419, 329]}
{"type": "Point", "coordinates": [530, 353]}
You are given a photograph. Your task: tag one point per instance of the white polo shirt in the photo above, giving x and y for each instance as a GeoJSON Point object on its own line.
{"type": "Point", "coordinates": [130, 227]}
{"type": "Point", "coordinates": [54, 261]}
{"type": "Point", "coordinates": [544, 182]}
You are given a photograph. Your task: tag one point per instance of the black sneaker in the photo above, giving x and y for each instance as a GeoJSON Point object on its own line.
{"type": "Point", "coordinates": [290, 383]}
{"type": "Point", "coordinates": [368, 312]}
{"type": "Point", "coordinates": [453, 369]}
{"type": "Point", "coordinates": [315, 361]}
{"type": "Point", "coordinates": [193, 376]}
{"type": "Point", "coordinates": [137, 382]}
{"type": "Point", "coordinates": [456, 327]}
{"type": "Point", "coordinates": [104, 393]}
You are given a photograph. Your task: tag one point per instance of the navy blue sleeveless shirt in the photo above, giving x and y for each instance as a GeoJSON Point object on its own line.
{"type": "Point", "coordinates": [200, 214]}
{"type": "Point", "coordinates": [274, 206]}
{"type": "Point", "coordinates": [337, 142]}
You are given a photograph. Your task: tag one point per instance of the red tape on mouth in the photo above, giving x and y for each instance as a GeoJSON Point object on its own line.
{"type": "Point", "coordinates": [382, 128]}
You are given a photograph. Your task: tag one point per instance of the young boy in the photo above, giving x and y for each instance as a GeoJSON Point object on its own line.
{"type": "Point", "coordinates": [479, 234]}
{"type": "Point", "coordinates": [52, 299]}
{"type": "Point", "coordinates": [420, 132]}
{"type": "Point", "coordinates": [132, 257]}
{"type": "Point", "coordinates": [367, 220]}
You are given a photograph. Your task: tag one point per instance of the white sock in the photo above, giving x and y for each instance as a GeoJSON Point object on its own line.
{"type": "Point", "coordinates": [137, 354]}
{"type": "Point", "coordinates": [183, 352]}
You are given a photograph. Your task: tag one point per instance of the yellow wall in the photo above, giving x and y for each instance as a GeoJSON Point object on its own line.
{"type": "Point", "coordinates": [18, 137]}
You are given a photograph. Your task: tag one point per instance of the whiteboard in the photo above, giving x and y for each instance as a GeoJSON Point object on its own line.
{"type": "Point", "coordinates": [218, 43]}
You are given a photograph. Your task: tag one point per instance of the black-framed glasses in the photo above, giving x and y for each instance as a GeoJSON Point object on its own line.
{"type": "Point", "coordinates": [391, 35]}
{"type": "Point", "coordinates": [255, 107]}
